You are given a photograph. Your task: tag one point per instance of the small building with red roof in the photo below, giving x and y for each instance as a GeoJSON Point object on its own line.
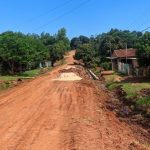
{"type": "Point", "coordinates": [124, 61]}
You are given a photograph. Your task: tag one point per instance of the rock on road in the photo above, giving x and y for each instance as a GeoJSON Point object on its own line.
{"type": "Point", "coordinates": [56, 115]}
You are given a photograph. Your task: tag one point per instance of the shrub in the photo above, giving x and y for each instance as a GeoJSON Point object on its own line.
{"type": "Point", "coordinates": [105, 65]}
{"type": "Point", "coordinates": [144, 101]}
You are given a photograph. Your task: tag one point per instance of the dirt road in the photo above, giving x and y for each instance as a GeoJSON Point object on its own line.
{"type": "Point", "coordinates": [60, 115]}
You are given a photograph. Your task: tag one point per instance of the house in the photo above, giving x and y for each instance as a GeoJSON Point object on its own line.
{"type": "Point", "coordinates": [124, 61]}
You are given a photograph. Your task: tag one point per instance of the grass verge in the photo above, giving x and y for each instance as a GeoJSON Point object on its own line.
{"type": "Point", "coordinates": [10, 81]}
{"type": "Point", "coordinates": [130, 88]}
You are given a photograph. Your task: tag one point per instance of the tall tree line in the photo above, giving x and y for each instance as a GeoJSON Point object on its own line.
{"type": "Point", "coordinates": [97, 48]}
{"type": "Point", "coordinates": [20, 52]}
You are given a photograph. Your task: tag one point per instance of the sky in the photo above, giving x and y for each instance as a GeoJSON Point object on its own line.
{"type": "Point", "coordinates": [79, 17]}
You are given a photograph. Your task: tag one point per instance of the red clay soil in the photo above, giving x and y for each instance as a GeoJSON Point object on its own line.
{"type": "Point", "coordinates": [50, 115]}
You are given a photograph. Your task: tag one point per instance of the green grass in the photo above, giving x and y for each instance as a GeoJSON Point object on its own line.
{"type": "Point", "coordinates": [25, 75]}
{"type": "Point", "coordinates": [97, 72]}
{"type": "Point", "coordinates": [12, 78]}
{"type": "Point", "coordinates": [30, 73]}
{"type": "Point", "coordinates": [112, 86]}
{"type": "Point", "coordinates": [110, 83]}
{"type": "Point", "coordinates": [8, 78]}
{"type": "Point", "coordinates": [110, 78]}
{"type": "Point", "coordinates": [144, 101]}
{"type": "Point", "coordinates": [130, 88]}
{"type": "Point", "coordinates": [4, 86]}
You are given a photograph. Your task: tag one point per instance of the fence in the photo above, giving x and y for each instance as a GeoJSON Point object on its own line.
{"type": "Point", "coordinates": [125, 68]}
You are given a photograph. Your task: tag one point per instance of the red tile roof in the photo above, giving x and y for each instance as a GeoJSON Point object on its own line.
{"type": "Point", "coordinates": [121, 53]}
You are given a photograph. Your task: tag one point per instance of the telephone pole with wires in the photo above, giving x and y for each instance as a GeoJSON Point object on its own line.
{"type": "Point", "coordinates": [126, 56]}
{"type": "Point", "coordinates": [111, 55]}
{"type": "Point", "coordinates": [126, 53]}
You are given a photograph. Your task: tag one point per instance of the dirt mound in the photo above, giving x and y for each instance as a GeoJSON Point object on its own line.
{"type": "Point", "coordinates": [128, 111]}
{"type": "Point", "coordinates": [144, 92]}
{"type": "Point", "coordinates": [79, 70]}
{"type": "Point", "coordinates": [68, 77]}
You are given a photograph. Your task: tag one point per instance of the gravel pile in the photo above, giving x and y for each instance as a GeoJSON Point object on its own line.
{"type": "Point", "coordinates": [68, 77]}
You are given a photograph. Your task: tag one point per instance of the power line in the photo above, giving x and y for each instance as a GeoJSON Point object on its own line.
{"type": "Point", "coordinates": [52, 10]}
{"type": "Point", "coordinates": [30, 20]}
{"type": "Point", "coordinates": [61, 16]}
{"type": "Point", "coordinates": [145, 29]}
{"type": "Point", "coordinates": [137, 19]}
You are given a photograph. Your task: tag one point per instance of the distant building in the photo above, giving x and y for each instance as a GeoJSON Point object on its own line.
{"type": "Point", "coordinates": [124, 61]}
{"type": "Point", "coordinates": [45, 64]}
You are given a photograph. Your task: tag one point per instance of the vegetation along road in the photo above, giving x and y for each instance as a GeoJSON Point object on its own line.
{"type": "Point", "coordinates": [61, 111]}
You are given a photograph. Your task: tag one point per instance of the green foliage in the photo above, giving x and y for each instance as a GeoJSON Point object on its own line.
{"type": "Point", "coordinates": [8, 78]}
{"type": "Point", "coordinates": [5, 85]}
{"type": "Point", "coordinates": [116, 39]}
{"type": "Point", "coordinates": [143, 49]}
{"type": "Point", "coordinates": [131, 89]}
{"type": "Point", "coordinates": [86, 53]}
{"type": "Point", "coordinates": [20, 52]}
{"type": "Point", "coordinates": [47, 39]}
{"type": "Point", "coordinates": [144, 101]}
{"type": "Point", "coordinates": [106, 65]}
{"type": "Point", "coordinates": [76, 42]}
{"type": "Point", "coordinates": [57, 45]}
{"type": "Point", "coordinates": [30, 73]}
{"type": "Point", "coordinates": [102, 43]}
{"type": "Point", "coordinates": [57, 51]}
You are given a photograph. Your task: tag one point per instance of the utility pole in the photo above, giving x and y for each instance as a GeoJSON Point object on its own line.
{"type": "Point", "coordinates": [126, 52]}
{"type": "Point", "coordinates": [111, 55]}
{"type": "Point", "coordinates": [126, 57]}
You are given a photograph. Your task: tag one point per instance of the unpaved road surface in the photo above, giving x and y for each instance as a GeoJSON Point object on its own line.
{"type": "Point", "coordinates": [44, 114]}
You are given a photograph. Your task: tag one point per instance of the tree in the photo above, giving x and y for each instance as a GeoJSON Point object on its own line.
{"type": "Point", "coordinates": [20, 52]}
{"type": "Point", "coordinates": [57, 51]}
{"type": "Point", "coordinates": [62, 36]}
{"type": "Point", "coordinates": [84, 39]}
{"type": "Point", "coordinates": [11, 50]}
{"type": "Point", "coordinates": [47, 39]}
{"type": "Point", "coordinates": [57, 44]}
{"type": "Point", "coordinates": [77, 41]}
{"type": "Point", "coordinates": [86, 53]}
{"type": "Point", "coordinates": [102, 43]}
{"type": "Point", "coordinates": [118, 40]}
{"type": "Point", "coordinates": [143, 50]}
{"type": "Point", "coordinates": [37, 52]}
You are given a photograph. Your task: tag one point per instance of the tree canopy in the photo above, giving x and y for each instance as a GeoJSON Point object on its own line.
{"type": "Point", "coordinates": [77, 41]}
{"type": "Point", "coordinates": [104, 44]}
{"type": "Point", "coordinates": [20, 52]}
{"type": "Point", "coordinates": [57, 44]}
{"type": "Point", "coordinates": [116, 39]}
{"type": "Point", "coordinates": [86, 53]}
{"type": "Point", "coordinates": [143, 49]}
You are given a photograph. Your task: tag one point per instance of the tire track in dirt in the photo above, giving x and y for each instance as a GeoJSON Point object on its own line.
{"type": "Point", "coordinates": [50, 115]}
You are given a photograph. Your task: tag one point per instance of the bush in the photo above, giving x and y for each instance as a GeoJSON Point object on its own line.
{"type": "Point", "coordinates": [105, 66]}
{"type": "Point", "coordinates": [144, 101]}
